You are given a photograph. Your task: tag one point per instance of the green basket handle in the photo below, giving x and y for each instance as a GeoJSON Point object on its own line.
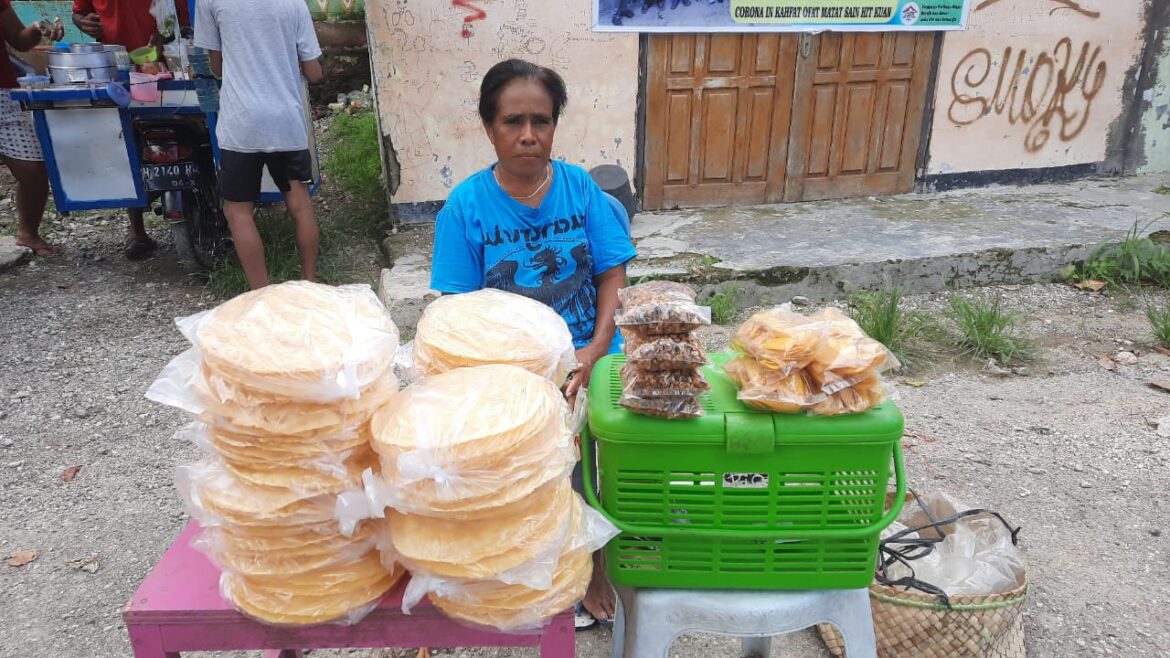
{"type": "Point", "coordinates": [860, 532]}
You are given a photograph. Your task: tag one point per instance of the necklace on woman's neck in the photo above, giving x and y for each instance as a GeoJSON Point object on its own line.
{"type": "Point", "coordinates": [529, 197]}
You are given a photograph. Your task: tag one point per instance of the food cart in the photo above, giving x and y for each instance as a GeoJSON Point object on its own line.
{"type": "Point", "coordinates": [94, 126]}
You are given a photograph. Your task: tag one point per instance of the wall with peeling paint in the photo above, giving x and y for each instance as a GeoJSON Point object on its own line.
{"type": "Point", "coordinates": [1034, 84]}
{"type": "Point", "coordinates": [1155, 121]}
{"type": "Point", "coordinates": [428, 63]}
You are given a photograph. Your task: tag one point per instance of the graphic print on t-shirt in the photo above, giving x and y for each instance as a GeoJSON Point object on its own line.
{"type": "Point", "coordinates": [551, 264]}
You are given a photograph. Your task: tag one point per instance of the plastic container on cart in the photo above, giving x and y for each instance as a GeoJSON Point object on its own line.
{"type": "Point", "coordinates": [739, 498]}
{"type": "Point", "coordinates": [144, 87]}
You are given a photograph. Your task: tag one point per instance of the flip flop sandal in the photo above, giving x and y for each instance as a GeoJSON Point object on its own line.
{"type": "Point", "coordinates": [583, 620]}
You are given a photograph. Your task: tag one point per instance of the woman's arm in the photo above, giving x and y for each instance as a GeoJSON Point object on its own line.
{"type": "Point", "coordinates": [608, 283]}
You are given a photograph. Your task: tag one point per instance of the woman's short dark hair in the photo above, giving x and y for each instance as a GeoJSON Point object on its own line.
{"type": "Point", "coordinates": [508, 70]}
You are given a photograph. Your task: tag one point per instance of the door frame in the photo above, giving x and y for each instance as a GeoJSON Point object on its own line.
{"type": "Point", "coordinates": [640, 140]}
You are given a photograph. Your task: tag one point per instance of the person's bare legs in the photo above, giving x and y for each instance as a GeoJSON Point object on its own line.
{"type": "Point", "coordinates": [139, 244]}
{"type": "Point", "coordinates": [600, 598]}
{"type": "Point", "coordinates": [249, 248]}
{"type": "Point", "coordinates": [32, 194]}
{"type": "Point", "coordinates": [300, 206]}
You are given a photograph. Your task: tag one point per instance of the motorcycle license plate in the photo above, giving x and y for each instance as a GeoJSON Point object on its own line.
{"type": "Point", "coordinates": [178, 176]}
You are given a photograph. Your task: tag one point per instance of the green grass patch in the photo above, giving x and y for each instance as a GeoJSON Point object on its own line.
{"type": "Point", "coordinates": [1162, 189]}
{"type": "Point", "coordinates": [724, 305]}
{"type": "Point", "coordinates": [986, 329]}
{"type": "Point", "coordinates": [880, 314]}
{"type": "Point", "coordinates": [277, 232]}
{"type": "Point", "coordinates": [355, 164]}
{"type": "Point", "coordinates": [1159, 317]}
{"type": "Point", "coordinates": [708, 261]}
{"type": "Point", "coordinates": [1135, 261]}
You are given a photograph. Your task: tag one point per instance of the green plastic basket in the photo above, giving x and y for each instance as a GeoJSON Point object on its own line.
{"type": "Point", "coordinates": [740, 499]}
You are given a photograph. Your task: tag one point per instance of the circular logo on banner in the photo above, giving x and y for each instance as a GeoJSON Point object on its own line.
{"type": "Point", "coordinates": [910, 13]}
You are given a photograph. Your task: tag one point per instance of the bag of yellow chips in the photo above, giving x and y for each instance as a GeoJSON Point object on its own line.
{"type": "Point", "coordinates": [780, 339]}
{"type": "Point", "coordinates": [772, 390]}
{"type": "Point", "coordinates": [846, 354]}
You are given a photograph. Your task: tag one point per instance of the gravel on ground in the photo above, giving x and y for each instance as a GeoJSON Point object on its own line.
{"type": "Point", "coordinates": [1065, 447]}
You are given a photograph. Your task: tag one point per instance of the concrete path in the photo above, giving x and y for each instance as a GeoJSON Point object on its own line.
{"type": "Point", "coordinates": [829, 249]}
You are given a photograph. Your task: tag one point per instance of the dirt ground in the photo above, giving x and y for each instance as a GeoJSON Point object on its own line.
{"type": "Point", "coordinates": [1064, 448]}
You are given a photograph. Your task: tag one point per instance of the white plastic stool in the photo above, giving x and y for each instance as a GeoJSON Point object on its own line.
{"type": "Point", "coordinates": [649, 620]}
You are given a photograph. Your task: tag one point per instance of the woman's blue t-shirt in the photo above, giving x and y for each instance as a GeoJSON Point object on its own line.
{"type": "Point", "coordinates": [486, 239]}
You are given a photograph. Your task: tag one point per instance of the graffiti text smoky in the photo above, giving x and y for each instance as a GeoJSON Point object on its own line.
{"type": "Point", "coordinates": [1050, 92]}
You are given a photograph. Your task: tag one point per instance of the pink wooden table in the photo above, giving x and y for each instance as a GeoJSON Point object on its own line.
{"type": "Point", "coordinates": [178, 608]}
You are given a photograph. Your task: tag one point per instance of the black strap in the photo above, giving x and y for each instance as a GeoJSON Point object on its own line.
{"type": "Point", "coordinates": [901, 548]}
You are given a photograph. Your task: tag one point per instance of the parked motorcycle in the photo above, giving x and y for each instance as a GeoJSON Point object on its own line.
{"type": "Point", "coordinates": [179, 174]}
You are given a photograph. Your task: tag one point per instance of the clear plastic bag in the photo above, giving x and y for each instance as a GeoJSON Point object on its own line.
{"type": "Point", "coordinates": [214, 496]}
{"type": "Point", "coordinates": [670, 352]}
{"type": "Point", "coordinates": [298, 341]}
{"type": "Point", "coordinates": [653, 293]}
{"type": "Point", "coordinates": [332, 458]}
{"type": "Point", "coordinates": [186, 384]}
{"type": "Point", "coordinates": [772, 390]}
{"type": "Point", "coordinates": [977, 557]}
{"type": "Point", "coordinates": [340, 594]}
{"type": "Point", "coordinates": [661, 307]}
{"type": "Point", "coordinates": [687, 406]}
{"type": "Point", "coordinates": [516, 545]}
{"type": "Point", "coordinates": [662, 383]}
{"type": "Point", "coordinates": [780, 339]}
{"type": "Point", "coordinates": [516, 602]}
{"type": "Point", "coordinates": [492, 327]}
{"type": "Point", "coordinates": [847, 355]}
{"type": "Point", "coordinates": [471, 439]}
{"type": "Point", "coordinates": [255, 554]}
{"type": "Point", "coordinates": [854, 398]}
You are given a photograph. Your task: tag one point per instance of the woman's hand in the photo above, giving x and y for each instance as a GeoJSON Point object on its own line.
{"type": "Point", "coordinates": [587, 357]}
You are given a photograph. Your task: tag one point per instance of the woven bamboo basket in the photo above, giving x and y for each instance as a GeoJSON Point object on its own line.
{"type": "Point", "coordinates": [911, 624]}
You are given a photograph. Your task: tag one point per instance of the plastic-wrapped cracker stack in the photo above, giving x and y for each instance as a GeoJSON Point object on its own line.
{"type": "Point", "coordinates": [475, 461]}
{"type": "Point", "coordinates": [282, 382]}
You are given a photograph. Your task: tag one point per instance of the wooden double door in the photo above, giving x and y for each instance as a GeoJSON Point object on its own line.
{"type": "Point", "coordinates": [763, 118]}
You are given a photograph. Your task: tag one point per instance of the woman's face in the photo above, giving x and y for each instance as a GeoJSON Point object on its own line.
{"type": "Point", "coordinates": [523, 129]}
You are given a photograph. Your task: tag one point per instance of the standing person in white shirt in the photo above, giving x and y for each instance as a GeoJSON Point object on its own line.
{"type": "Point", "coordinates": [260, 48]}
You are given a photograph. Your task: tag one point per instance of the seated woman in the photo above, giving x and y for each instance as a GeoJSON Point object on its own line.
{"type": "Point", "coordinates": [537, 227]}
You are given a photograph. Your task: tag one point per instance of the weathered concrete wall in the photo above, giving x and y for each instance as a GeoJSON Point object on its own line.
{"type": "Point", "coordinates": [1034, 84]}
{"type": "Point", "coordinates": [428, 63]}
{"type": "Point", "coordinates": [1154, 128]}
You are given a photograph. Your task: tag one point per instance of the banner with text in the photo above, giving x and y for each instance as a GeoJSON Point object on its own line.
{"type": "Point", "coordinates": [778, 15]}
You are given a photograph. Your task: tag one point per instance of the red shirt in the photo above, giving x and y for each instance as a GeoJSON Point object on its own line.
{"type": "Point", "coordinates": [126, 22]}
{"type": "Point", "coordinates": [7, 74]}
